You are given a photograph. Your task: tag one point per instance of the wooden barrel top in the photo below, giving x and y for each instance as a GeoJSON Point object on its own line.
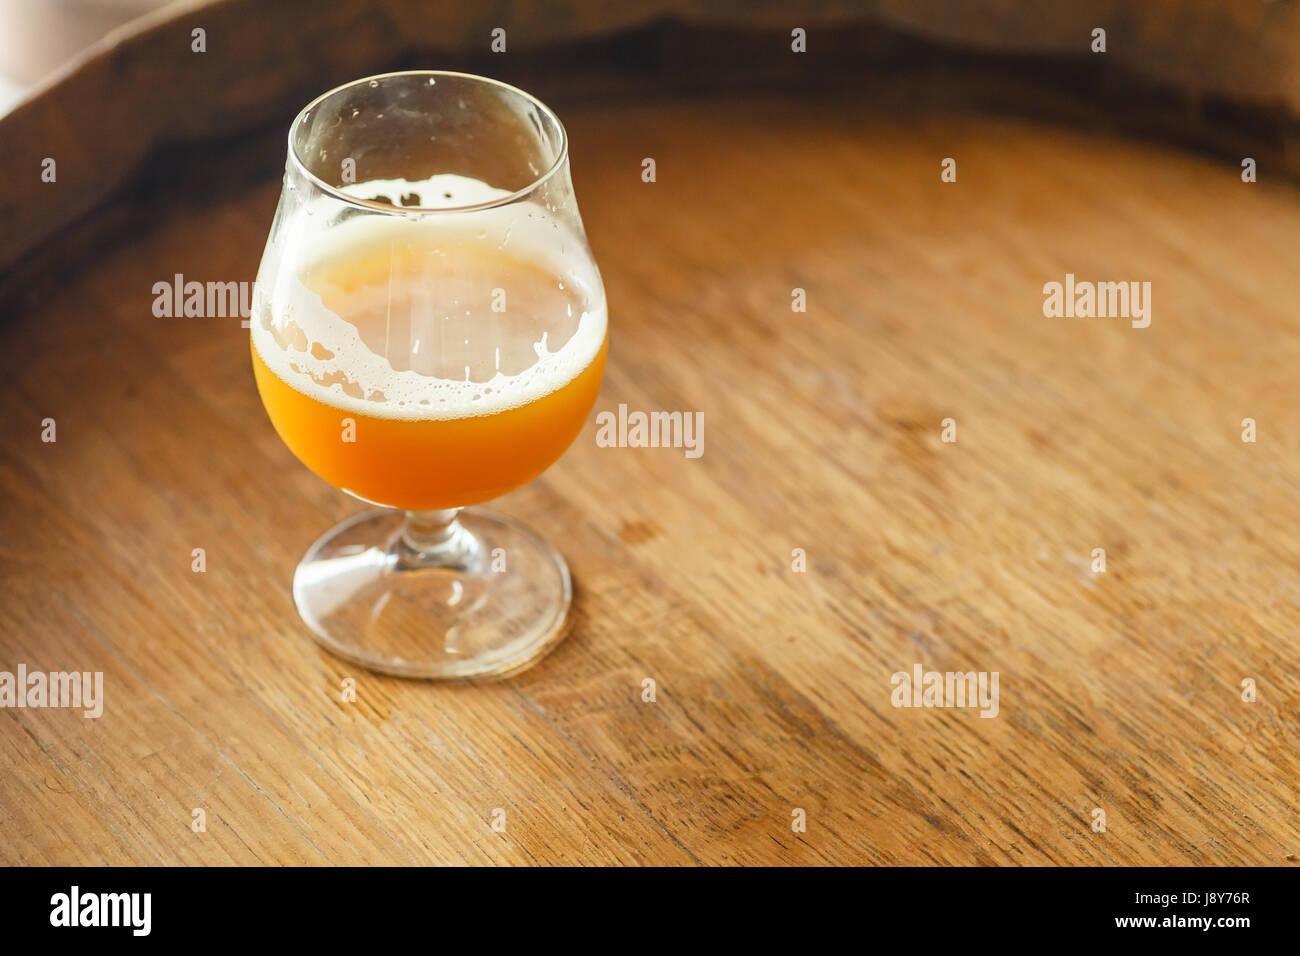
{"type": "Point", "coordinates": [1120, 690]}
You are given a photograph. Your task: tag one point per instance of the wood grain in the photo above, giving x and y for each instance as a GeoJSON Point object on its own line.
{"type": "Point", "coordinates": [1218, 74]}
{"type": "Point", "coordinates": [1119, 690]}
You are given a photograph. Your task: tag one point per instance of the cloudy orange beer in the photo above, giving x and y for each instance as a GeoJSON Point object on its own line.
{"type": "Point", "coordinates": [415, 366]}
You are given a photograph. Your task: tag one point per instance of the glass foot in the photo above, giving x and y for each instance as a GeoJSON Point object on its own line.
{"type": "Point", "coordinates": [434, 595]}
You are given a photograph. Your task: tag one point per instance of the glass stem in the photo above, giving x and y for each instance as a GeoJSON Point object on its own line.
{"type": "Point", "coordinates": [436, 539]}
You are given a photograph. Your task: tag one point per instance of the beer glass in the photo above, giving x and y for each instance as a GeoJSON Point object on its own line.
{"type": "Point", "coordinates": [429, 332]}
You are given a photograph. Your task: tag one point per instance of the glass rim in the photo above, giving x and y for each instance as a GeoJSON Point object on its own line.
{"type": "Point", "coordinates": [561, 157]}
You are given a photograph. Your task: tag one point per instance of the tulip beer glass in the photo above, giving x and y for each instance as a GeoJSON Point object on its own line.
{"type": "Point", "coordinates": [429, 332]}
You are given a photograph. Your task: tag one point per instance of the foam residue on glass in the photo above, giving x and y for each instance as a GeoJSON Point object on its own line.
{"type": "Point", "coordinates": [438, 316]}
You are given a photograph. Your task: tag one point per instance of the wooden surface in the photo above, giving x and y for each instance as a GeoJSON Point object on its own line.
{"type": "Point", "coordinates": [1119, 691]}
{"type": "Point", "coordinates": [1222, 75]}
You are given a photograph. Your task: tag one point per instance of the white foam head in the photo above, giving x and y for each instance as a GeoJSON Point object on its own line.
{"type": "Point", "coordinates": [324, 356]}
